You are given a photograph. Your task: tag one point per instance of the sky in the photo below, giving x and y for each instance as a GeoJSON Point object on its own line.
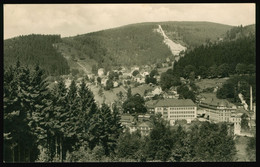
{"type": "Point", "coordinates": [74, 19]}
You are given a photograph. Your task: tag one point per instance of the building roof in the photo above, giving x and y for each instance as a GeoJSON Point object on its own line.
{"type": "Point", "coordinates": [144, 116]}
{"type": "Point", "coordinates": [151, 103]}
{"type": "Point", "coordinates": [175, 103]}
{"type": "Point", "coordinates": [141, 89]}
{"type": "Point", "coordinates": [145, 124]}
{"type": "Point", "coordinates": [238, 104]}
{"type": "Point", "coordinates": [127, 118]}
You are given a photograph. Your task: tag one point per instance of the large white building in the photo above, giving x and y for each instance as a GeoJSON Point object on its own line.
{"type": "Point", "coordinates": [176, 109]}
{"type": "Point", "coordinates": [218, 110]}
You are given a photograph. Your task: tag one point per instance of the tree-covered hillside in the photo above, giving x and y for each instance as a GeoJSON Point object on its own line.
{"type": "Point", "coordinates": [139, 44]}
{"type": "Point", "coordinates": [194, 34]}
{"type": "Point", "coordinates": [234, 55]}
{"type": "Point", "coordinates": [205, 60]}
{"type": "Point", "coordinates": [128, 45]}
{"type": "Point", "coordinates": [240, 32]}
{"type": "Point", "coordinates": [33, 49]}
{"type": "Point", "coordinates": [135, 44]}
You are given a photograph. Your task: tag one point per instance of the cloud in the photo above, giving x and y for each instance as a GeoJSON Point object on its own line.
{"type": "Point", "coordinates": [73, 19]}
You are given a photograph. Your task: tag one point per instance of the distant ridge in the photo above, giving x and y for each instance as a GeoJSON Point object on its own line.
{"type": "Point", "coordinates": [128, 45]}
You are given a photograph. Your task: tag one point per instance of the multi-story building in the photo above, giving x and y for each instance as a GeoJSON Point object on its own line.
{"type": "Point", "coordinates": [126, 120]}
{"type": "Point", "coordinates": [150, 105]}
{"type": "Point", "coordinates": [176, 109]}
{"type": "Point", "coordinates": [217, 110]}
{"type": "Point", "coordinates": [145, 128]}
{"type": "Point", "coordinates": [235, 118]}
{"type": "Point", "coordinates": [145, 117]}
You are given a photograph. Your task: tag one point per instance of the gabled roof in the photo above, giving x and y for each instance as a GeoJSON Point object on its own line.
{"type": "Point", "coordinates": [145, 124]}
{"type": "Point", "coordinates": [141, 89]}
{"type": "Point", "coordinates": [127, 118]}
{"type": "Point", "coordinates": [151, 103]}
{"type": "Point", "coordinates": [175, 103]}
{"type": "Point", "coordinates": [144, 116]}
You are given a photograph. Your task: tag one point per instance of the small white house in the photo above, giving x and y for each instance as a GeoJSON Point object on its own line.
{"type": "Point", "coordinates": [157, 91]}
{"type": "Point", "coordinates": [144, 74]}
{"type": "Point", "coordinates": [139, 78]}
{"type": "Point", "coordinates": [67, 83]}
{"type": "Point", "coordinates": [104, 81]}
{"type": "Point", "coordinates": [100, 72]}
{"type": "Point", "coordinates": [135, 68]}
{"type": "Point", "coordinates": [115, 84]}
{"type": "Point", "coordinates": [158, 78]}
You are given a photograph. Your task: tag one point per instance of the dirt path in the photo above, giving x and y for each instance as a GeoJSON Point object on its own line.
{"type": "Point", "coordinates": [84, 69]}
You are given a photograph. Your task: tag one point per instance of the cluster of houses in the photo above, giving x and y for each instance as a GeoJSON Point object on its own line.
{"type": "Point", "coordinates": [142, 123]}
{"type": "Point", "coordinates": [125, 76]}
{"type": "Point", "coordinates": [209, 109]}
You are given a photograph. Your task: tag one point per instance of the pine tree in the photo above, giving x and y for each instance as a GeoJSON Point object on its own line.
{"type": "Point", "coordinates": [72, 104]}
{"type": "Point", "coordinates": [129, 93]}
{"type": "Point", "coordinates": [22, 146]}
{"type": "Point", "coordinates": [105, 129]}
{"type": "Point", "coordinates": [59, 121]}
{"type": "Point", "coordinates": [87, 109]}
{"type": "Point", "coordinates": [160, 141]}
{"type": "Point", "coordinates": [38, 102]}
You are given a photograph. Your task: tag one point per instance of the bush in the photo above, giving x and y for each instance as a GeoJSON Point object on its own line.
{"type": "Point", "coordinates": [81, 155]}
{"type": "Point", "coordinates": [98, 153]}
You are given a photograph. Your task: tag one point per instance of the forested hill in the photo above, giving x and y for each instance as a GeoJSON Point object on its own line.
{"type": "Point", "coordinates": [237, 49]}
{"type": "Point", "coordinates": [240, 32]}
{"type": "Point", "coordinates": [135, 44]}
{"type": "Point", "coordinates": [139, 43]}
{"type": "Point", "coordinates": [194, 34]}
{"type": "Point", "coordinates": [128, 45]}
{"type": "Point", "coordinates": [33, 49]}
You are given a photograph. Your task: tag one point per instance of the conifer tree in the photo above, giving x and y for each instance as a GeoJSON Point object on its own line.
{"type": "Point", "coordinates": [22, 146]}
{"type": "Point", "coordinates": [160, 142]}
{"type": "Point", "coordinates": [59, 120]}
{"type": "Point", "coordinates": [87, 108]}
{"type": "Point", "coordinates": [105, 128]}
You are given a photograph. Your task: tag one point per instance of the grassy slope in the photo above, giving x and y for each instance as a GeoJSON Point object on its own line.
{"type": "Point", "coordinates": [110, 96]}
